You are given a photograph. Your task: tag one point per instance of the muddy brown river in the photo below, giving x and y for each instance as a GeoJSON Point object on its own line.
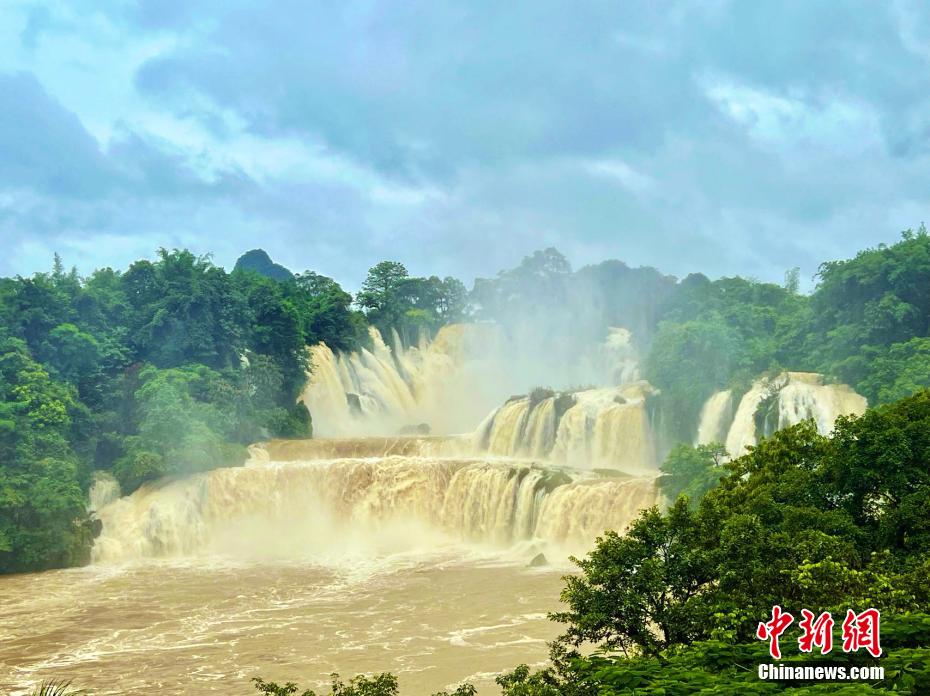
{"type": "Point", "coordinates": [208, 626]}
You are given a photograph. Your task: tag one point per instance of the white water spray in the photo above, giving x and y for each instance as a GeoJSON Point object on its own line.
{"type": "Point", "coordinates": [775, 403]}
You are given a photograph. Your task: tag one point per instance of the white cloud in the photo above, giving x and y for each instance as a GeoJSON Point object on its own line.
{"type": "Point", "coordinates": [622, 173]}
{"type": "Point", "coordinates": [799, 122]}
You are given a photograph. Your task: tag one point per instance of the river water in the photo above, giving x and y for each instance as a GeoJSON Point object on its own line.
{"type": "Point", "coordinates": [208, 626]}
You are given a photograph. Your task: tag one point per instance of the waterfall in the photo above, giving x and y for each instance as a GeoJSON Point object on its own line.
{"type": "Point", "coordinates": [775, 403]}
{"type": "Point", "coordinates": [716, 416]}
{"type": "Point", "coordinates": [578, 513]}
{"type": "Point", "coordinates": [323, 507]}
{"type": "Point", "coordinates": [362, 447]}
{"type": "Point", "coordinates": [593, 428]}
{"type": "Point", "coordinates": [806, 396]}
{"type": "Point", "coordinates": [619, 357]}
{"type": "Point", "coordinates": [446, 383]}
{"type": "Point", "coordinates": [505, 436]}
{"type": "Point", "coordinates": [104, 489]}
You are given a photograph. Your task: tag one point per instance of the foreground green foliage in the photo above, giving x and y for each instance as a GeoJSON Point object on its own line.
{"type": "Point", "coordinates": [379, 685]}
{"type": "Point", "coordinates": [56, 688]}
{"type": "Point", "coordinates": [692, 471]}
{"type": "Point", "coordinates": [42, 521]}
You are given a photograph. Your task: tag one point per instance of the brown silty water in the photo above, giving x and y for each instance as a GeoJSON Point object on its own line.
{"type": "Point", "coordinates": [415, 563]}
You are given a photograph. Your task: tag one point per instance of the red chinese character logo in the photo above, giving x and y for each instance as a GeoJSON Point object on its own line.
{"type": "Point", "coordinates": [817, 632]}
{"type": "Point", "coordinates": [861, 631]}
{"type": "Point", "coordinates": [771, 630]}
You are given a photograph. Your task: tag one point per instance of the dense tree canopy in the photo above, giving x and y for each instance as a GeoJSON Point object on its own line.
{"type": "Point", "coordinates": [170, 367]}
{"type": "Point", "coordinates": [395, 301]}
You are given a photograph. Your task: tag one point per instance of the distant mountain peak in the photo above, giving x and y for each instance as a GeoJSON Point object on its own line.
{"type": "Point", "coordinates": [258, 261]}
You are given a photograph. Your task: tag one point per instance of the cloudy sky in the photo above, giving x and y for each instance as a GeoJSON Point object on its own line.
{"type": "Point", "coordinates": [728, 137]}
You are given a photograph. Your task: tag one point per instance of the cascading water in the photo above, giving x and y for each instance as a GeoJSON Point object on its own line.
{"type": "Point", "coordinates": [716, 416]}
{"type": "Point", "coordinates": [447, 383]}
{"type": "Point", "coordinates": [594, 428]}
{"type": "Point", "coordinates": [772, 404]}
{"type": "Point", "coordinates": [502, 485]}
{"type": "Point", "coordinates": [103, 490]}
{"type": "Point", "coordinates": [369, 550]}
{"type": "Point", "coordinates": [324, 507]}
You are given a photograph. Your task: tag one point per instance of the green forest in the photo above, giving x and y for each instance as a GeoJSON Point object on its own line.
{"type": "Point", "coordinates": [175, 365]}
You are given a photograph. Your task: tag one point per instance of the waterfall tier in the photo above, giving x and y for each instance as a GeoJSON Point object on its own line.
{"type": "Point", "coordinates": [595, 428]}
{"type": "Point", "coordinates": [772, 404]}
{"type": "Point", "coordinates": [363, 448]}
{"type": "Point", "coordinates": [321, 508]}
{"type": "Point", "coordinates": [446, 384]}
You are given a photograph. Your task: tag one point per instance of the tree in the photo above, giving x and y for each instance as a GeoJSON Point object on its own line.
{"type": "Point", "coordinates": [73, 353]}
{"type": "Point", "coordinates": [641, 590]}
{"type": "Point", "coordinates": [182, 426]}
{"type": "Point", "coordinates": [381, 296]}
{"type": "Point", "coordinates": [452, 304]}
{"type": "Point", "coordinates": [878, 470]}
{"type": "Point", "coordinates": [326, 313]}
{"type": "Point", "coordinates": [394, 301]}
{"type": "Point", "coordinates": [692, 471]}
{"type": "Point", "coordinates": [901, 370]}
{"type": "Point", "coordinates": [793, 280]}
{"type": "Point", "coordinates": [380, 685]}
{"type": "Point", "coordinates": [688, 362]}
{"type": "Point", "coordinates": [378, 290]}
{"type": "Point", "coordinates": [184, 310]}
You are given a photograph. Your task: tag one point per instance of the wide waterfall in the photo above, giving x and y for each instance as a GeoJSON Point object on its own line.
{"type": "Point", "coordinates": [772, 404]}
{"type": "Point", "coordinates": [419, 549]}
{"type": "Point", "coordinates": [322, 508]}
{"type": "Point", "coordinates": [534, 473]}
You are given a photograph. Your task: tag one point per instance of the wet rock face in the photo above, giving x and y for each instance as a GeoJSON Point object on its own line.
{"type": "Point", "coordinates": [355, 403]}
{"type": "Point", "coordinates": [539, 560]}
{"type": "Point", "coordinates": [96, 527]}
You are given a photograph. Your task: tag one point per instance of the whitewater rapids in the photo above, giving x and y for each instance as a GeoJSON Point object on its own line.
{"type": "Point", "coordinates": [327, 508]}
